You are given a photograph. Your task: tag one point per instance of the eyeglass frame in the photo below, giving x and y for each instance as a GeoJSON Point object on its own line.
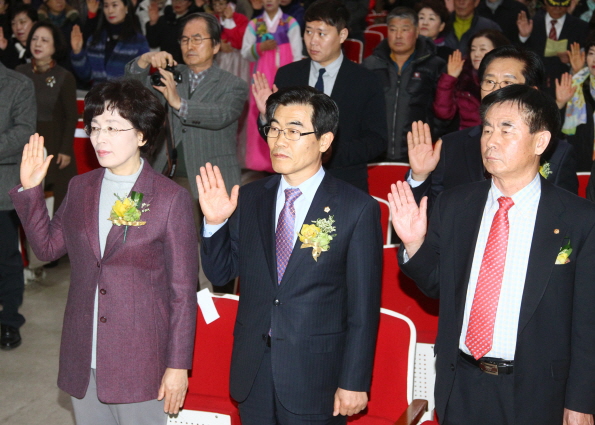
{"type": "Point", "coordinates": [186, 40]}
{"type": "Point", "coordinates": [110, 133]}
{"type": "Point", "coordinates": [266, 129]}
{"type": "Point", "coordinates": [494, 84]}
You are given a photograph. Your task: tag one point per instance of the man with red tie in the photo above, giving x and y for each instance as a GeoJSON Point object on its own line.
{"type": "Point", "coordinates": [511, 260]}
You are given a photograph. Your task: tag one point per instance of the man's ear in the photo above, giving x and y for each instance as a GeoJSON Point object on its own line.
{"type": "Point", "coordinates": [543, 141]}
{"type": "Point", "coordinates": [325, 141]}
{"type": "Point", "coordinates": [343, 34]}
{"type": "Point", "coordinates": [216, 48]}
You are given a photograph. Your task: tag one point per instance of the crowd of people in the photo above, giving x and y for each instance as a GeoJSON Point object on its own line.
{"type": "Point", "coordinates": [491, 92]}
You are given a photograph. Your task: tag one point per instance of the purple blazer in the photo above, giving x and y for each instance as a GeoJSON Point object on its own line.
{"type": "Point", "coordinates": [147, 285]}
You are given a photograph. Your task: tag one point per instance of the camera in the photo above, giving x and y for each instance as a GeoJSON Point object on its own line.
{"type": "Point", "coordinates": [156, 77]}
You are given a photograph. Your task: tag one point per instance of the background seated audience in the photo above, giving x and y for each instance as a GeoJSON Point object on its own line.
{"type": "Point", "coordinates": [13, 49]}
{"type": "Point", "coordinates": [162, 31]}
{"type": "Point", "coordinates": [465, 22]}
{"type": "Point", "coordinates": [433, 20]}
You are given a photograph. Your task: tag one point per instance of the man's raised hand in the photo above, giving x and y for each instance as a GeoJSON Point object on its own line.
{"type": "Point", "coordinates": [409, 220]}
{"type": "Point", "coordinates": [33, 167]}
{"type": "Point", "coordinates": [216, 205]}
{"type": "Point", "coordinates": [423, 156]}
{"type": "Point", "coordinates": [261, 91]}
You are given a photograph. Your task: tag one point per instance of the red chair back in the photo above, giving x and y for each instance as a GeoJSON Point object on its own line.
{"type": "Point", "coordinates": [392, 377]}
{"type": "Point", "coordinates": [371, 40]}
{"type": "Point", "coordinates": [401, 294]}
{"type": "Point", "coordinates": [208, 383]}
{"type": "Point", "coordinates": [381, 28]}
{"type": "Point", "coordinates": [84, 154]}
{"type": "Point", "coordinates": [353, 49]}
{"type": "Point", "coordinates": [382, 174]}
{"type": "Point", "coordinates": [583, 181]}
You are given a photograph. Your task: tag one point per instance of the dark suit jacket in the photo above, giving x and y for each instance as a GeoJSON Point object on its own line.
{"type": "Point", "coordinates": [555, 339]}
{"type": "Point", "coordinates": [362, 132]}
{"type": "Point", "coordinates": [574, 30]}
{"type": "Point", "coordinates": [147, 285]}
{"type": "Point", "coordinates": [324, 314]}
{"type": "Point", "coordinates": [461, 162]}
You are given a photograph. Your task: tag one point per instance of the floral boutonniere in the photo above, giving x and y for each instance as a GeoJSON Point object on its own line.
{"type": "Point", "coordinates": [127, 211]}
{"type": "Point", "coordinates": [564, 253]}
{"type": "Point", "coordinates": [318, 235]}
{"type": "Point", "coordinates": [545, 170]}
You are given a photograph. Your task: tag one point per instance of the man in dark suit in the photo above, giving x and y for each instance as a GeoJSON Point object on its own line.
{"type": "Point", "coordinates": [557, 25]}
{"type": "Point", "coordinates": [308, 315]}
{"type": "Point", "coordinates": [362, 134]}
{"type": "Point", "coordinates": [457, 158]}
{"type": "Point", "coordinates": [511, 260]}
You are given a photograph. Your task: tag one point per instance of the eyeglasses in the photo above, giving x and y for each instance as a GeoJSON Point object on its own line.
{"type": "Point", "coordinates": [110, 131]}
{"type": "Point", "coordinates": [290, 133]}
{"type": "Point", "coordinates": [195, 39]}
{"type": "Point", "coordinates": [489, 85]}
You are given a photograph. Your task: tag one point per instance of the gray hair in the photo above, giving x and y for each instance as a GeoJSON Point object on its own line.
{"type": "Point", "coordinates": [403, 13]}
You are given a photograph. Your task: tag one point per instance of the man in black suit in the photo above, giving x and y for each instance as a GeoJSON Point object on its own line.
{"type": "Point", "coordinates": [306, 327]}
{"type": "Point", "coordinates": [511, 260]}
{"type": "Point", "coordinates": [456, 159]}
{"type": "Point", "coordinates": [557, 25]}
{"type": "Point", "coordinates": [362, 134]}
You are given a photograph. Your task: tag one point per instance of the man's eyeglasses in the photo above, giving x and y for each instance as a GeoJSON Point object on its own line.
{"type": "Point", "coordinates": [489, 85]}
{"type": "Point", "coordinates": [195, 39]}
{"type": "Point", "coordinates": [93, 131]}
{"type": "Point", "coordinates": [290, 133]}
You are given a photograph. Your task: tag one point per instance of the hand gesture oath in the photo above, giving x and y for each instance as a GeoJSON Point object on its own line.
{"type": "Point", "coordinates": [577, 57]}
{"type": "Point", "coordinates": [33, 167]}
{"type": "Point", "coordinates": [455, 64]}
{"type": "Point", "coordinates": [409, 220]}
{"type": "Point", "coordinates": [564, 90]}
{"type": "Point", "coordinates": [76, 40]}
{"type": "Point", "coordinates": [216, 205]}
{"type": "Point", "coordinates": [423, 157]}
{"type": "Point", "coordinates": [3, 40]}
{"type": "Point", "coordinates": [261, 91]}
{"type": "Point", "coordinates": [524, 24]}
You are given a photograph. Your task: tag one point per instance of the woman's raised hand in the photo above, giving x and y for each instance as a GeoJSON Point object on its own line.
{"type": "Point", "coordinates": [76, 39]}
{"type": "Point", "coordinates": [455, 64]}
{"type": "Point", "coordinates": [33, 167]}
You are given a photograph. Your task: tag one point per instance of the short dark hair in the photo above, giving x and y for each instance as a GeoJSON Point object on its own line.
{"type": "Point", "coordinates": [213, 26]}
{"type": "Point", "coordinates": [538, 110]}
{"type": "Point", "coordinates": [60, 47]}
{"type": "Point", "coordinates": [437, 6]}
{"type": "Point", "coordinates": [533, 71]}
{"type": "Point", "coordinates": [28, 9]}
{"type": "Point", "coordinates": [133, 101]}
{"type": "Point", "coordinates": [325, 112]}
{"type": "Point", "coordinates": [402, 12]}
{"type": "Point", "coordinates": [496, 37]}
{"type": "Point", "coordinates": [331, 12]}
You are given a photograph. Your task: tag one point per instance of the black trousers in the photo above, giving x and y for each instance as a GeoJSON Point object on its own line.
{"type": "Point", "coordinates": [262, 407]}
{"type": "Point", "coordinates": [12, 281]}
{"type": "Point", "coordinates": [480, 398]}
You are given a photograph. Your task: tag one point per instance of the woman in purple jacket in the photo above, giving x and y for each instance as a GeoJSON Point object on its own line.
{"type": "Point", "coordinates": [129, 323]}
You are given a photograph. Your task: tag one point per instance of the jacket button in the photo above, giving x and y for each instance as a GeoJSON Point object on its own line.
{"type": "Point", "coordinates": [102, 291]}
{"type": "Point", "coordinates": [103, 319]}
{"type": "Point", "coordinates": [183, 130]}
{"type": "Point", "coordinates": [277, 302]}
{"type": "Point", "coordinates": [98, 265]}
{"type": "Point", "coordinates": [452, 367]}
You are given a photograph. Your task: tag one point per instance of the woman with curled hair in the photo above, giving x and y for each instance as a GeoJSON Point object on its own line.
{"type": "Point", "coordinates": [128, 331]}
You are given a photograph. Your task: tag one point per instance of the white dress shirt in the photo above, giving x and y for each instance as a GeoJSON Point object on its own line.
{"type": "Point", "coordinates": [521, 218]}
{"type": "Point", "coordinates": [548, 27]}
{"type": "Point", "coordinates": [329, 77]}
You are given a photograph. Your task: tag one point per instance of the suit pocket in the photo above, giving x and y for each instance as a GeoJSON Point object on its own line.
{"type": "Point", "coordinates": [327, 343]}
{"type": "Point", "coordinates": [559, 369]}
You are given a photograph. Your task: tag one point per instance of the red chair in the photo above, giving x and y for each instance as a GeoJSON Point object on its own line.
{"type": "Point", "coordinates": [374, 17]}
{"type": "Point", "coordinates": [353, 49]}
{"type": "Point", "coordinates": [381, 28]}
{"type": "Point", "coordinates": [371, 40]}
{"type": "Point", "coordinates": [382, 174]}
{"type": "Point", "coordinates": [80, 105]}
{"type": "Point", "coordinates": [208, 384]}
{"type": "Point", "coordinates": [84, 154]}
{"type": "Point", "coordinates": [583, 181]}
{"type": "Point", "coordinates": [385, 221]}
{"type": "Point", "coordinates": [391, 393]}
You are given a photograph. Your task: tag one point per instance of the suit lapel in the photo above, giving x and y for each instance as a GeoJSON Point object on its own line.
{"type": "Point", "coordinates": [144, 185]}
{"type": "Point", "coordinates": [341, 82]}
{"type": "Point", "coordinates": [266, 221]}
{"type": "Point", "coordinates": [545, 247]}
{"type": "Point", "coordinates": [473, 155]}
{"type": "Point", "coordinates": [324, 195]}
{"type": "Point", "coordinates": [91, 206]}
{"type": "Point", "coordinates": [210, 80]}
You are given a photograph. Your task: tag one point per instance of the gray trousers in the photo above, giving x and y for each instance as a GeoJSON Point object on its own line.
{"type": "Point", "coordinates": [90, 411]}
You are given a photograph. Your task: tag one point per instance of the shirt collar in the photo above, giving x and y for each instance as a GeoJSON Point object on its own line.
{"type": "Point", "coordinates": [198, 75]}
{"type": "Point", "coordinates": [332, 69]}
{"type": "Point", "coordinates": [307, 186]}
{"type": "Point", "coordinates": [549, 19]}
{"type": "Point", "coordinates": [525, 198]}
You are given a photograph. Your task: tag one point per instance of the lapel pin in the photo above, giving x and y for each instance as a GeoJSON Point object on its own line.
{"type": "Point", "coordinates": [326, 209]}
{"type": "Point", "coordinates": [556, 231]}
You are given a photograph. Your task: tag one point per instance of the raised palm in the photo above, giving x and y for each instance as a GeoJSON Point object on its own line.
{"type": "Point", "coordinates": [34, 167]}
{"type": "Point", "coordinates": [216, 205]}
{"type": "Point", "coordinates": [423, 156]}
{"type": "Point", "coordinates": [409, 220]}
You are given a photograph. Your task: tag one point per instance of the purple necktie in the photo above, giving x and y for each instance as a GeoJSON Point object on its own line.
{"type": "Point", "coordinates": [285, 229]}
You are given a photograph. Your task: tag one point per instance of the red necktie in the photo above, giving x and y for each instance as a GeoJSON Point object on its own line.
{"type": "Point", "coordinates": [284, 233]}
{"type": "Point", "coordinates": [480, 332]}
{"type": "Point", "coordinates": [553, 34]}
